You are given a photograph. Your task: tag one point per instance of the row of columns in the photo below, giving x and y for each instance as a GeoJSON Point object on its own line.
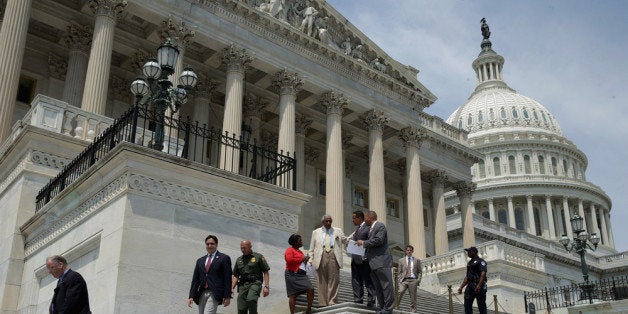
{"type": "Point", "coordinates": [590, 221]}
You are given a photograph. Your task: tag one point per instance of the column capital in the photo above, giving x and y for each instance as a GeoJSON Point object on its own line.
{"type": "Point", "coordinates": [205, 87]}
{"type": "Point", "coordinates": [529, 197]}
{"type": "Point", "coordinates": [180, 33]}
{"type": "Point", "coordinates": [253, 105]}
{"type": "Point", "coordinates": [236, 59]}
{"type": "Point", "coordinates": [465, 188]}
{"type": "Point", "coordinates": [110, 8]}
{"type": "Point", "coordinates": [412, 136]}
{"type": "Point", "coordinates": [57, 67]}
{"type": "Point", "coordinates": [302, 123]}
{"type": "Point", "coordinates": [78, 37]}
{"type": "Point", "coordinates": [311, 154]}
{"type": "Point", "coordinates": [334, 102]}
{"type": "Point", "coordinates": [375, 119]}
{"type": "Point", "coordinates": [287, 82]}
{"type": "Point", "coordinates": [509, 197]}
{"type": "Point", "coordinates": [438, 177]}
{"type": "Point", "coordinates": [548, 196]}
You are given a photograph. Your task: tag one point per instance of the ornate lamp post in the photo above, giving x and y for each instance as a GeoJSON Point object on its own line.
{"type": "Point", "coordinates": [581, 241]}
{"type": "Point", "coordinates": [159, 90]}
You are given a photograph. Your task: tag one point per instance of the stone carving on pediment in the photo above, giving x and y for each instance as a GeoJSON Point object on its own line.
{"type": "Point", "coordinates": [111, 8]}
{"type": "Point", "coordinates": [48, 160]}
{"type": "Point", "coordinates": [78, 37]}
{"type": "Point", "coordinates": [180, 33]}
{"type": "Point", "coordinates": [57, 67]}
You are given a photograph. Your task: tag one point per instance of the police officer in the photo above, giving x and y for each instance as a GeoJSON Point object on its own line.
{"type": "Point", "coordinates": [249, 271]}
{"type": "Point", "coordinates": [475, 282]}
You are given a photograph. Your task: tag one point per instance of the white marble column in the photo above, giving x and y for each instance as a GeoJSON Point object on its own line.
{"type": "Point", "coordinates": [287, 84]}
{"type": "Point", "coordinates": [441, 241]}
{"type": "Point", "coordinates": [99, 66]}
{"type": "Point", "coordinates": [375, 121]}
{"type": "Point", "coordinates": [611, 240]}
{"type": "Point", "coordinates": [512, 223]}
{"type": "Point", "coordinates": [334, 103]}
{"type": "Point", "coordinates": [200, 112]}
{"type": "Point", "coordinates": [236, 60]}
{"type": "Point", "coordinates": [550, 216]}
{"type": "Point", "coordinates": [594, 226]}
{"type": "Point", "coordinates": [491, 210]}
{"type": "Point", "coordinates": [603, 227]}
{"type": "Point", "coordinates": [530, 210]}
{"type": "Point", "coordinates": [78, 39]}
{"type": "Point", "coordinates": [581, 214]}
{"type": "Point", "coordinates": [567, 217]}
{"type": "Point", "coordinates": [301, 126]}
{"type": "Point", "coordinates": [411, 138]}
{"type": "Point", "coordinates": [13, 38]}
{"type": "Point", "coordinates": [465, 191]}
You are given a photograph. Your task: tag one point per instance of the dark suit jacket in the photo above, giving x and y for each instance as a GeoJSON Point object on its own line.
{"type": "Point", "coordinates": [361, 234]}
{"type": "Point", "coordinates": [218, 278]}
{"type": "Point", "coordinates": [70, 295]}
{"type": "Point", "coordinates": [377, 247]}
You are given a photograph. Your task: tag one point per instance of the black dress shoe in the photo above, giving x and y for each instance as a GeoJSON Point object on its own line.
{"type": "Point", "coordinates": [358, 302]}
{"type": "Point", "coordinates": [370, 304]}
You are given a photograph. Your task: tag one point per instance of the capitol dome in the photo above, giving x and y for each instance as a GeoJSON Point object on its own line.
{"type": "Point", "coordinates": [494, 107]}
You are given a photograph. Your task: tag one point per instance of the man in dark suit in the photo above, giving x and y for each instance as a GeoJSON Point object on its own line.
{"type": "Point", "coordinates": [380, 261]}
{"type": "Point", "coordinates": [360, 270]}
{"type": "Point", "coordinates": [70, 295]}
{"type": "Point", "coordinates": [211, 282]}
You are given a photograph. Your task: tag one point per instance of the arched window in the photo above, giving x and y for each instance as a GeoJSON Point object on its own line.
{"type": "Point", "coordinates": [460, 123]}
{"type": "Point", "coordinates": [469, 120]}
{"type": "Point", "coordinates": [502, 216]}
{"type": "Point", "coordinates": [497, 169]}
{"type": "Point", "coordinates": [519, 220]}
{"type": "Point", "coordinates": [503, 113]}
{"type": "Point", "coordinates": [525, 114]}
{"type": "Point", "coordinates": [544, 118]}
{"type": "Point", "coordinates": [536, 116]}
{"type": "Point", "coordinates": [482, 169]}
{"type": "Point", "coordinates": [554, 166]}
{"type": "Point", "coordinates": [541, 164]}
{"type": "Point", "coordinates": [514, 113]}
{"type": "Point", "coordinates": [480, 117]}
{"type": "Point", "coordinates": [491, 114]}
{"type": "Point", "coordinates": [511, 165]}
{"type": "Point", "coordinates": [565, 168]}
{"type": "Point", "coordinates": [526, 163]}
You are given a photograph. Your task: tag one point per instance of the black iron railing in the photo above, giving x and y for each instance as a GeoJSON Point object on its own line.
{"type": "Point", "coordinates": [185, 139]}
{"type": "Point", "coordinates": [609, 289]}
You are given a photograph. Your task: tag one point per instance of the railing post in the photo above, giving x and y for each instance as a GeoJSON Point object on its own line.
{"type": "Point", "coordinates": [525, 301]}
{"type": "Point", "coordinates": [186, 139]}
{"type": "Point", "coordinates": [133, 124]}
{"type": "Point", "coordinates": [451, 300]}
{"type": "Point", "coordinates": [495, 302]}
{"type": "Point", "coordinates": [294, 171]}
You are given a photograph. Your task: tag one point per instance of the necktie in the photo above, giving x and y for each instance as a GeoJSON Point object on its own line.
{"type": "Point", "coordinates": [327, 246]}
{"type": "Point", "coordinates": [207, 264]}
{"type": "Point", "coordinates": [408, 268]}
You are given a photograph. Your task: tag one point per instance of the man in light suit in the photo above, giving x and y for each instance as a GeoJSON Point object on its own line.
{"type": "Point", "coordinates": [326, 252]}
{"type": "Point", "coordinates": [360, 270]}
{"type": "Point", "coordinates": [70, 295]}
{"type": "Point", "coordinates": [409, 277]}
{"type": "Point", "coordinates": [380, 262]}
{"type": "Point", "coordinates": [211, 282]}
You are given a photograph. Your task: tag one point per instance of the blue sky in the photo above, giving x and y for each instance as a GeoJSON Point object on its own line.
{"type": "Point", "coordinates": [570, 55]}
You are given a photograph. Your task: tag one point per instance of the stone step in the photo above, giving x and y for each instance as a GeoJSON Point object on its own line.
{"type": "Point", "coordinates": [427, 302]}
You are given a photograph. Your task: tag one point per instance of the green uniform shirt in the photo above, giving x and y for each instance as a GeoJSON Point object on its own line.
{"type": "Point", "coordinates": [253, 264]}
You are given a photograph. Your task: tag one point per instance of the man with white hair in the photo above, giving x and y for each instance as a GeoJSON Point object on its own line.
{"type": "Point", "coordinates": [326, 251]}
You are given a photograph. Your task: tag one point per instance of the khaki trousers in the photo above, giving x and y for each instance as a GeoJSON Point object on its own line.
{"type": "Point", "coordinates": [328, 273]}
